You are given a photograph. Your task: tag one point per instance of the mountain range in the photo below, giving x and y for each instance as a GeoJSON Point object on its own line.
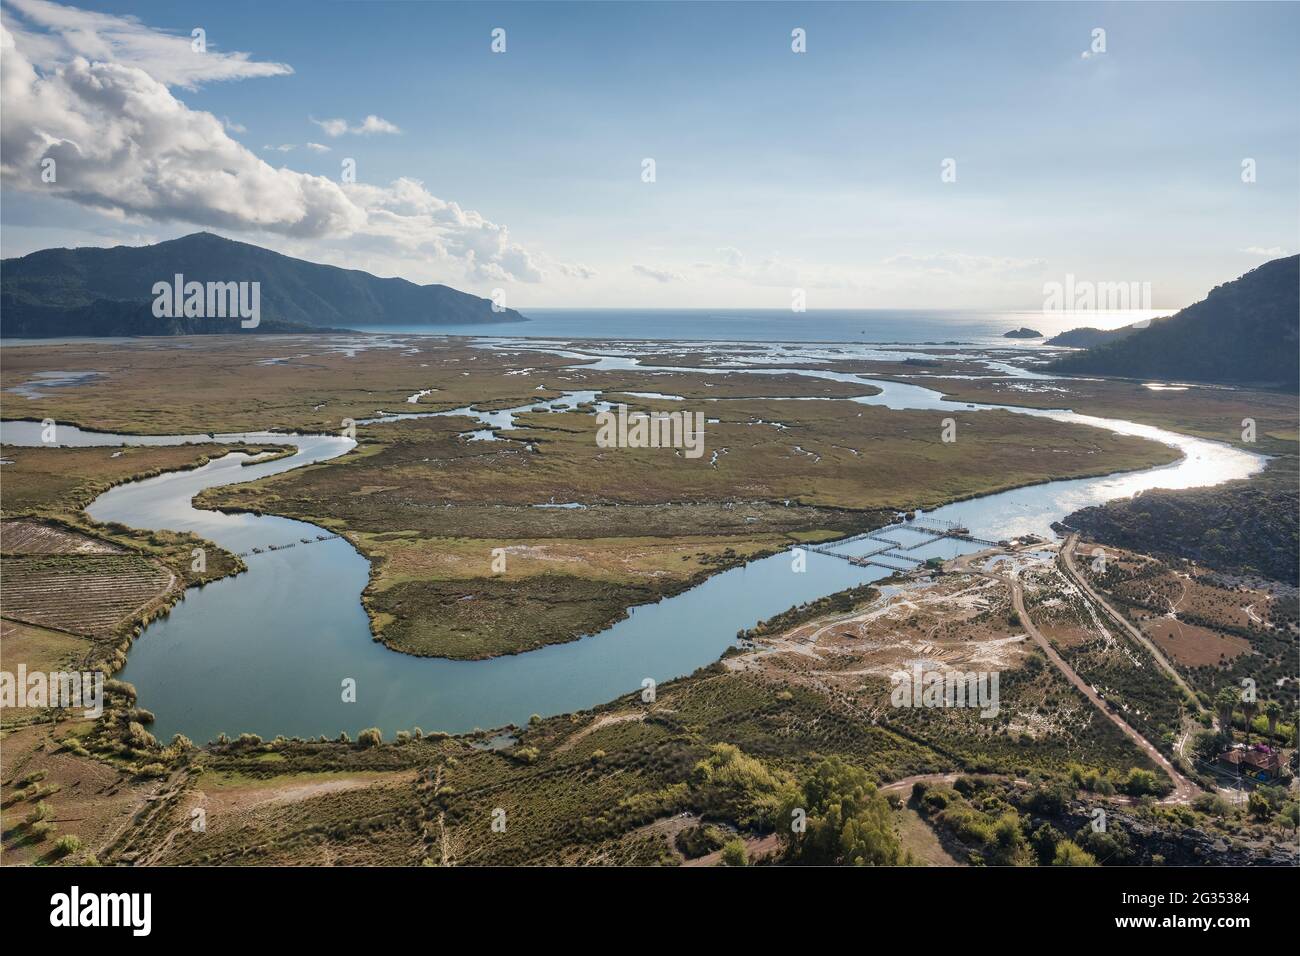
{"type": "Point", "coordinates": [93, 291]}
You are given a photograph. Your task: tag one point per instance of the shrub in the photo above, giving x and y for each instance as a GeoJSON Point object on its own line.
{"type": "Point", "coordinates": [119, 688]}
{"type": "Point", "coordinates": [698, 841]}
{"type": "Point", "coordinates": [139, 738]}
{"type": "Point", "coordinates": [41, 831]}
{"type": "Point", "coordinates": [1140, 782]}
{"type": "Point", "coordinates": [732, 785]}
{"type": "Point", "coordinates": [1213, 804]}
{"type": "Point", "coordinates": [934, 801]}
{"type": "Point", "coordinates": [370, 737]}
{"type": "Point", "coordinates": [1071, 854]}
{"type": "Point", "coordinates": [734, 853]}
{"type": "Point", "coordinates": [66, 844]}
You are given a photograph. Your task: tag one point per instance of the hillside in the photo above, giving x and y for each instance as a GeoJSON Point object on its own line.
{"type": "Point", "coordinates": [1245, 332]}
{"type": "Point", "coordinates": [92, 291]}
{"type": "Point", "coordinates": [1241, 527]}
{"type": "Point", "coordinates": [1089, 338]}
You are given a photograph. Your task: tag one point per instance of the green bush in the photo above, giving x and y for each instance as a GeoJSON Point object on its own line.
{"type": "Point", "coordinates": [1071, 854]}
{"type": "Point", "coordinates": [734, 853]}
{"type": "Point", "coordinates": [66, 844]}
{"type": "Point", "coordinates": [41, 831]}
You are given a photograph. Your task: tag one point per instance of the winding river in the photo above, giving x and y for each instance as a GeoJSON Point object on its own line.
{"type": "Point", "coordinates": [267, 651]}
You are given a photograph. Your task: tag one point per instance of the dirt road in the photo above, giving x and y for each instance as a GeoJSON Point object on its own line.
{"type": "Point", "coordinates": [1072, 571]}
{"type": "Point", "coordinates": [1184, 789]}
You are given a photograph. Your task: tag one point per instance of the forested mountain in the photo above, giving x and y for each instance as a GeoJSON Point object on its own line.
{"type": "Point", "coordinates": [1245, 332]}
{"type": "Point", "coordinates": [91, 291]}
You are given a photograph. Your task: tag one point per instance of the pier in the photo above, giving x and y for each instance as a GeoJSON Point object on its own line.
{"type": "Point", "coordinates": [892, 553]}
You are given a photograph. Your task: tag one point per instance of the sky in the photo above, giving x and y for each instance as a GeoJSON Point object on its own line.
{"type": "Point", "coordinates": [926, 155]}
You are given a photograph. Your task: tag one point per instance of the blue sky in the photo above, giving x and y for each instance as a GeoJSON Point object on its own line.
{"type": "Point", "coordinates": [774, 170]}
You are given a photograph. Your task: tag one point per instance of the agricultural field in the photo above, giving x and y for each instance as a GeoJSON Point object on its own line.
{"type": "Point", "coordinates": [1216, 629]}
{"type": "Point", "coordinates": [34, 537]}
{"type": "Point", "coordinates": [50, 591]}
{"type": "Point", "coordinates": [1122, 671]}
{"type": "Point", "coordinates": [76, 591]}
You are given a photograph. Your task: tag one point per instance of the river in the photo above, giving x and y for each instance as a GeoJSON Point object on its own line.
{"type": "Point", "coordinates": [267, 651]}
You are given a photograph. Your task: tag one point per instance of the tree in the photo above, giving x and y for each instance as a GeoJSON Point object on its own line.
{"type": "Point", "coordinates": [1044, 841]}
{"type": "Point", "coordinates": [1248, 710]}
{"type": "Point", "coordinates": [1258, 806]}
{"type": "Point", "coordinates": [1225, 702]}
{"type": "Point", "coordinates": [1208, 744]}
{"type": "Point", "coordinates": [846, 821]}
{"type": "Point", "coordinates": [1272, 713]}
{"type": "Point", "coordinates": [1069, 853]}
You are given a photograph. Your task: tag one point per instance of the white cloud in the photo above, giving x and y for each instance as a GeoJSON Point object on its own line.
{"type": "Point", "coordinates": [318, 148]}
{"type": "Point", "coordinates": [52, 35]}
{"type": "Point", "coordinates": [659, 275]}
{"type": "Point", "coordinates": [959, 263]}
{"type": "Point", "coordinates": [283, 148]}
{"type": "Point", "coordinates": [332, 127]}
{"type": "Point", "coordinates": [372, 124]}
{"type": "Point", "coordinates": [124, 145]}
{"type": "Point", "coordinates": [577, 270]}
{"type": "Point", "coordinates": [1272, 252]}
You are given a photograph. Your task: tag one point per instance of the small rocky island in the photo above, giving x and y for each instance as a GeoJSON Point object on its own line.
{"type": "Point", "coordinates": [1022, 333]}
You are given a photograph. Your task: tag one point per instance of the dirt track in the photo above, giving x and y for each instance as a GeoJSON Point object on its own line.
{"type": "Point", "coordinates": [1184, 789]}
{"type": "Point", "coordinates": [1072, 571]}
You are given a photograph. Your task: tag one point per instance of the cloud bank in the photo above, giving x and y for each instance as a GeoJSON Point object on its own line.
{"type": "Point", "coordinates": [92, 92]}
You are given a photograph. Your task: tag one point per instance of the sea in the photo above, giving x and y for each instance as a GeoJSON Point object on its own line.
{"type": "Point", "coordinates": [901, 326]}
{"type": "Point", "coordinates": [935, 327]}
